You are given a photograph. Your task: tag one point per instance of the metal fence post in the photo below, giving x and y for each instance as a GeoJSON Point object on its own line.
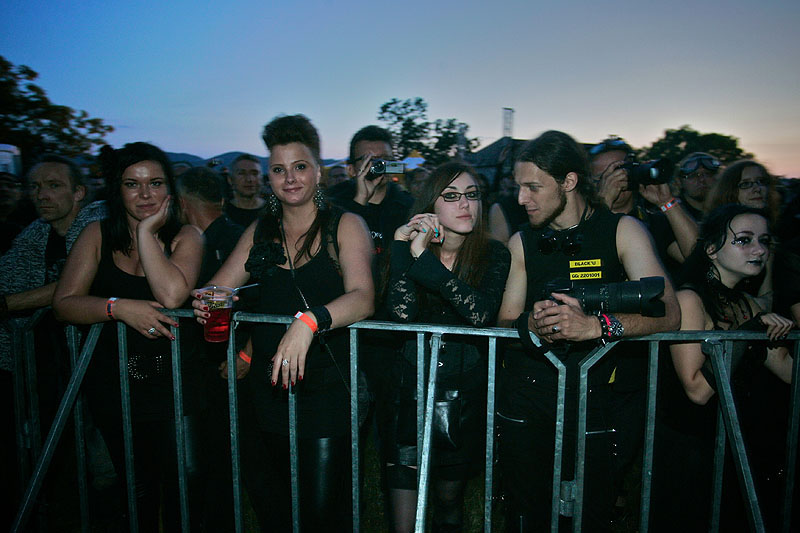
{"type": "Point", "coordinates": [721, 366]}
{"type": "Point", "coordinates": [56, 430]}
{"type": "Point", "coordinates": [649, 437]}
{"type": "Point", "coordinates": [80, 436]}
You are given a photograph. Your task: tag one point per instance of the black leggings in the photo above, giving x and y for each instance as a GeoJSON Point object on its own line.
{"type": "Point", "coordinates": [324, 472]}
{"type": "Point", "coordinates": [155, 467]}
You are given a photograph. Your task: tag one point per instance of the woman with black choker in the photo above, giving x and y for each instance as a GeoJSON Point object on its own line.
{"type": "Point", "coordinates": [734, 244]}
{"type": "Point", "coordinates": [443, 270]}
{"type": "Point", "coordinates": [313, 262]}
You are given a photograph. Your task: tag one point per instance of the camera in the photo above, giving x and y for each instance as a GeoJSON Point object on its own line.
{"type": "Point", "coordinates": [640, 297]}
{"type": "Point", "coordinates": [653, 172]}
{"type": "Point", "coordinates": [379, 167]}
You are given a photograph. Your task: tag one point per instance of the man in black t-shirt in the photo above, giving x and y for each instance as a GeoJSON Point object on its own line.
{"type": "Point", "coordinates": [571, 236]}
{"type": "Point", "coordinates": [382, 203]}
{"type": "Point", "coordinates": [201, 196]}
{"type": "Point", "coordinates": [697, 174]}
{"type": "Point", "coordinates": [246, 181]}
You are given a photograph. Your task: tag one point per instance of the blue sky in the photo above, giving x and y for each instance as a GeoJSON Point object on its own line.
{"type": "Point", "coordinates": [204, 77]}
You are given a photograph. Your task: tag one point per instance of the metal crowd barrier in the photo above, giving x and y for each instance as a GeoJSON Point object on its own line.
{"type": "Point", "coordinates": [716, 345]}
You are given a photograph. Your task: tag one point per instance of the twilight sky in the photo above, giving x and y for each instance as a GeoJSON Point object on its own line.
{"type": "Point", "coordinates": [204, 77]}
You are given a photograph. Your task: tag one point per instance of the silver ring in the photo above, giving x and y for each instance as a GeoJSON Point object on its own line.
{"type": "Point", "coordinates": [151, 331]}
{"type": "Point", "coordinates": [556, 329]}
{"type": "Point", "coordinates": [285, 362]}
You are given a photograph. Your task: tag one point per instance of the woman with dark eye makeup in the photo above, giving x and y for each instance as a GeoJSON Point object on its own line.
{"type": "Point", "coordinates": [443, 270]}
{"type": "Point", "coordinates": [734, 244]}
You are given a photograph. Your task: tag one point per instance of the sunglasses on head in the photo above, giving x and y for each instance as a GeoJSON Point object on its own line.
{"type": "Point", "coordinates": [608, 145]}
{"type": "Point", "coordinates": [551, 241]}
{"type": "Point", "coordinates": [694, 163]}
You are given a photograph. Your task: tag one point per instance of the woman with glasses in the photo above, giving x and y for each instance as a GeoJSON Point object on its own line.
{"type": "Point", "coordinates": [746, 183]}
{"type": "Point", "coordinates": [443, 270]}
{"type": "Point", "coordinates": [734, 244]}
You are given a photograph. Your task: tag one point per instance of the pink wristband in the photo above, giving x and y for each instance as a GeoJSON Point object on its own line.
{"type": "Point", "coordinates": [668, 205]}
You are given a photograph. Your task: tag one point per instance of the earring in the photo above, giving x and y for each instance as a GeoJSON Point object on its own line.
{"type": "Point", "coordinates": [274, 205]}
{"type": "Point", "coordinates": [319, 198]}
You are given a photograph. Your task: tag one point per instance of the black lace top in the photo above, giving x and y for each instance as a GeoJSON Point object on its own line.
{"type": "Point", "coordinates": [444, 297]}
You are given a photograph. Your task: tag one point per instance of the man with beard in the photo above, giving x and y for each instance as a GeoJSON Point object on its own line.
{"type": "Point", "coordinates": [573, 237]}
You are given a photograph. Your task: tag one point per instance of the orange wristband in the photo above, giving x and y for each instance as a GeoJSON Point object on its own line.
{"type": "Point", "coordinates": [244, 357]}
{"type": "Point", "coordinates": [307, 320]}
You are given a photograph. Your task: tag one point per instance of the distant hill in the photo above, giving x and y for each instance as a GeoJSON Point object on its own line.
{"type": "Point", "coordinates": [225, 159]}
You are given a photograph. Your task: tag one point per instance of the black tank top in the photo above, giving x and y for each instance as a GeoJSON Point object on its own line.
{"type": "Point", "coordinates": [150, 360]}
{"type": "Point", "coordinates": [322, 397]}
{"type": "Point", "coordinates": [597, 261]}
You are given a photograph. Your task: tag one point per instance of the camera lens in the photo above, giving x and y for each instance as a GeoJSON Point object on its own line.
{"type": "Point", "coordinates": [378, 167]}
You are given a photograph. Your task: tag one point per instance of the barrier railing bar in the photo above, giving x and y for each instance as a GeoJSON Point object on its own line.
{"type": "Point", "coordinates": [419, 397]}
{"type": "Point", "coordinates": [23, 433]}
{"type": "Point", "coordinates": [721, 366]}
{"type": "Point", "coordinates": [293, 468]}
{"type": "Point", "coordinates": [728, 416]}
{"type": "Point", "coordinates": [180, 438]}
{"type": "Point", "coordinates": [649, 437]}
{"type": "Point", "coordinates": [355, 456]}
{"type": "Point", "coordinates": [490, 403]}
{"type": "Point", "coordinates": [31, 378]}
{"type": "Point", "coordinates": [791, 441]}
{"type": "Point", "coordinates": [80, 436]}
{"type": "Point", "coordinates": [580, 445]}
{"type": "Point", "coordinates": [60, 420]}
{"type": "Point", "coordinates": [233, 413]}
{"type": "Point", "coordinates": [424, 466]}
{"type": "Point", "coordinates": [127, 426]}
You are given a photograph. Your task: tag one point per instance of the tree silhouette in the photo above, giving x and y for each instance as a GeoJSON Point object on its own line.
{"type": "Point", "coordinates": [30, 121]}
{"type": "Point", "coordinates": [436, 141]}
{"type": "Point", "coordinates": [677, 144]}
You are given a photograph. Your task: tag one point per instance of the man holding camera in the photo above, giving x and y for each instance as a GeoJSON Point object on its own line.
{"type": "Point", "coordinates": [373, 196]}
{"type": "Point", "coordinates": [571, 237]}
{"type": "Point", "coordinates": [674, 230]}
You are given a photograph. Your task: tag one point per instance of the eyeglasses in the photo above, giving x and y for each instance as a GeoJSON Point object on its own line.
{"type": "Point", "coordinates": [451, 196]}
{"type": "Point", "coordinates": [608, 145]}
{"type": "Point", "coordinates": [744, 185]}
{"type": "Point", "coordinates": [551, 242]}
{"type": "Point", "coordinates": [694, 163]}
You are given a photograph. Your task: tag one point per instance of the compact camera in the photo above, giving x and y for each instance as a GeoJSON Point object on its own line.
{"type": "Point", "coordinates": [379, 167]}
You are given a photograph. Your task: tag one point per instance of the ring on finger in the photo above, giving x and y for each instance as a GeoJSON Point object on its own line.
{"type": "Point", "coordinates": [285, 362]}
{"type": "Point", "coordinates": [556, 329]}
{"type": "Point", "coordinates": [151, 331]}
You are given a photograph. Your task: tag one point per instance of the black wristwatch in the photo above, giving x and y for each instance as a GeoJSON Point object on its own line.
{"type": "Point", "coordinates": [611, 328]}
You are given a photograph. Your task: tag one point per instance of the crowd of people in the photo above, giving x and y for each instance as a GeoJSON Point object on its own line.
{"type": "Point", "coordinates": [443, 246]}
